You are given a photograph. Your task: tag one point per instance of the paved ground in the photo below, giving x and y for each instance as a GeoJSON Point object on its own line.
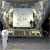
{"type": "Point", "coordinates": [27, 44]}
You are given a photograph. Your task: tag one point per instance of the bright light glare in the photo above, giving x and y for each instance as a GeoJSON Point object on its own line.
{"type": "Point", "coordinates": [3, 3]}
{"type": "Point", "coordinates": [10, 10]}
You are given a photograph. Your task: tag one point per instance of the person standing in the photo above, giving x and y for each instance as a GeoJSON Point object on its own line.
{"type": "Point", "coordinates": [31, 23]}
{"type": "Point", "coordinates": [4, 37]}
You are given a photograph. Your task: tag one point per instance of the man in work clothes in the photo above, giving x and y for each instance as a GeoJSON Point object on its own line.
{"type": "Point", "coordinates": [4, 36]}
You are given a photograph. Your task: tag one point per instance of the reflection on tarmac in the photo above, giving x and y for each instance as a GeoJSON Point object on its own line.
{"type": "Point", "coordinates": [27, 44]}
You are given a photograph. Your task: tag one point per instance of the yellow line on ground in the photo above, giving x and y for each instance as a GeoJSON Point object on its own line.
{"type": "Point", "coordinates": [16, 49]}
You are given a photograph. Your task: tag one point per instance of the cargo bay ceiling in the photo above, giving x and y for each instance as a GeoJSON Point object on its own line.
{"type": "Point", "coordinates": [22, 1]}
{"type": "Point", "coordinates": [18, 3]}
{"type": "Point", "coordinates": [13, 3]}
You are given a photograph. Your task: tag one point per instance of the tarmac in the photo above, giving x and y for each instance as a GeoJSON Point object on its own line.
{"type": "Point", "coordinates": [27, 44]}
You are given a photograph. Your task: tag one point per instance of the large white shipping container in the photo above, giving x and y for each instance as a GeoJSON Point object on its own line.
{"type": "Point", "coordinates": [22, 17]}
